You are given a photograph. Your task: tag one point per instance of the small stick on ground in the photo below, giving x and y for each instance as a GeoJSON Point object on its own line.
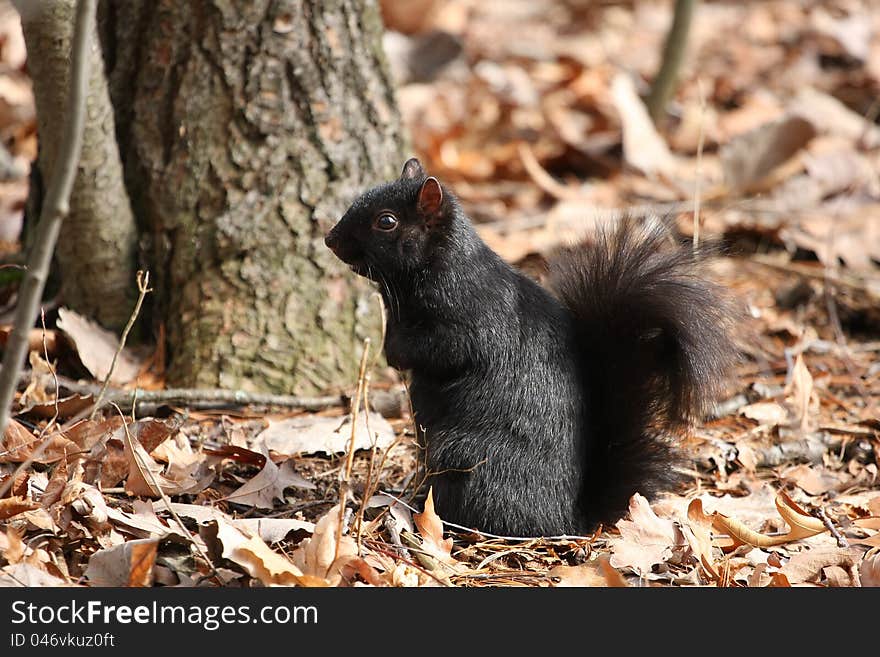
{"type": "Point", "coordinates": [204, 397]}
{"type": "Point", "coordinates": [345, 475]}
{"type": "Point", "coordinates": [143, 283]}
{"type": "Point", "coordinates": [840, 538]}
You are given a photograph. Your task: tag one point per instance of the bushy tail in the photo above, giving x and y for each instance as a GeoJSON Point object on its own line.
{"type": "Point", "coordinates": [657, 345]}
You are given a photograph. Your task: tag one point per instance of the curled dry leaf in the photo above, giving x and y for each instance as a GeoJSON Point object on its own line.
{"type": "Point", "coordinates": [643, 147]}
{"type": "Point", "coordinates": [259, 560]}
{"type": "Point", "coordinates": [319, 555]}
{"type": "Point", "coordinates": [801, 524]}
{"type": "Point", "coordinates": [431, 529]}
{"type": "Point", "coordinates": [145, 475]}
{"type": "Point", "coordinates": [96, 347]}
{"type": "Point", "coordinates": [270, 530]}
{"type": "Point", "coordinates": [128, 564]}
{"type": "Point", "coordinates": [799, 392]}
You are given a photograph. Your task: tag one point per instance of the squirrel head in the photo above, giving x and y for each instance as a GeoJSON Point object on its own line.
{"type": "Point", "coordinates": [394, 229]}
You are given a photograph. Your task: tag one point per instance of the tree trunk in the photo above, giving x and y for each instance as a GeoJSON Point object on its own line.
{"type": "Point", "coordinates": [246, 128]}
{"type": "Point", "coordinates": [96, 247]}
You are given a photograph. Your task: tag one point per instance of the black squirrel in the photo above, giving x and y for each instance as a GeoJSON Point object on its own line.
{"type": "Point", "coordinates": [541, 414]}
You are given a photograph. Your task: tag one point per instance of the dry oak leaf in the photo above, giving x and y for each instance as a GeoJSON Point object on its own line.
{"type": "Point", "coordinates": [145, 475]}
{"type": "Point", "coordinates": [750, 158]}
{"type": "Point", "coordinates": [766, 413]}
{"type": "Point", "coordinates": [96, 347]}
{"type": "Point", "coordinates": [598, 573]}
{"type": "Point", "coordinates": [326, 552]}
{"type": "Point", "coordinates": [268, 485]}
{"type": "Point", "coordinates": [645, 539]}
{"type": "Point", "coordinates": [19, 445]}
{"type": "Point", "coordinates": [259, 560]}
{"type": "Point", "coordinates": [808, 565]}
{"type": "Point", "coordinates": [869, 571]}
{"type": "Point", "coordinates": [431, 529]}
{"type": "Point", "coordinates": [12, 506]}
{"type": "Point", "coordinates": [270, 530]}
{"type": "Point", "coordinates": [128, 564]}
{"type": "Point", "coordinates": [799, 392]}
{"type": "Point", "coordinates": [802, 525]}
{"type": "Point", "coordinates": [308, 434]}
{"type": "Point", "coordinates": [27, 575]}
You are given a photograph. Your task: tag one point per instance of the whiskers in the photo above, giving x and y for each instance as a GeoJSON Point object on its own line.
{"type": "Point", "coordinates": [389, 293]}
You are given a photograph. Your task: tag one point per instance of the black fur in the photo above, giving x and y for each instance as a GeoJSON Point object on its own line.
{"type": "Point", "coordinates": [542, 414]}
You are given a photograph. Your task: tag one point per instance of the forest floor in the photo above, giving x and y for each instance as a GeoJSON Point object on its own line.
{"type": "Point", "coordinates": [532, 113]}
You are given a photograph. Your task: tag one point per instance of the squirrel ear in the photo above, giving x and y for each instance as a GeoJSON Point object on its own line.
{"type": "Point", "coordinates": [430, 196]}
{"type": "Point", "coordinates": [412, 169]}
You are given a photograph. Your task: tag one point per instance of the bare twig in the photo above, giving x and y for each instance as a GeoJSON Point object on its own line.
{"type": "Point", "coordinates": [368, 485]}
{"type": "Point", "coordinates": [55, 208]}
{"type": "Point", "coordinates": [143, 282]}
{"type": "Point", "coordinates": [345, 475]}
{"type": "Point", "coordinates": [673, 55]}
{"type": "Point", "coordinates": [699, 171]}
{"type": "Point", "coordinates": [840, 538]}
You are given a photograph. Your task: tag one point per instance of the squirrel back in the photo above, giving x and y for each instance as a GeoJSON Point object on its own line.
{"type": "Point", "coordinates": [541, 413]}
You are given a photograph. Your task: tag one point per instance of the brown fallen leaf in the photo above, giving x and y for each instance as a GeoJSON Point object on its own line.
{"type": "Point", "coordinates": [25, 574]}
{"type": "Point", "coordinates": [430, 528]}
{"type": "Point", "coordinates": [145, 475]}
{"type": "Point", "coordinates": [869, 570]}
{"type": "Point", "coordinates": [96, 347]}
{"type": "Point", "coordinates": [268, 485]}
{"type": "Point", "coordinates": [324, 554]}
{"type": "Point", "coordinates": [270, 530]}
{"type": "Point", "coordinates": [801, 524]}
{"type": "Point", "coordinates": [766, 413]}
{"type": "Point", "coordinates": [598, 573]}
{"type": "Point", "coordinates": [309, 434]}
{"type": "Point", "coordinates": [128, 564]}
{"type": "Point", "coordinates": [643, 147]}
{"type": "Point", "coordinates": [807, 565]}
{"type": "Point", "coordinates": [12, 506]}
{"type": "Point", "coordinates": [815, 479]}
{"type": "Point", "coordinates": [260, 561]}
{"type": "Point", "coordinates": [799, 392]}
{"type": "Point", "coordinates": [57, 484]}
{"type": "Point", "coordinates": [748, 160]}
{"type": "Point", "coordinates": [20, 444]}
{"type": "Point", "coordinates": [645, 539]}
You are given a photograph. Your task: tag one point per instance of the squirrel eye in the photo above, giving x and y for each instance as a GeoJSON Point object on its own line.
{"type": "Point", "coordinates": [386, 221]}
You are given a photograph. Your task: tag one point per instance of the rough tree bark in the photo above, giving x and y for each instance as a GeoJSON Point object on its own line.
{"type": "Point", "coordinates": [96, 247]}
{"type": "Point", "coordinates": [246, 128]}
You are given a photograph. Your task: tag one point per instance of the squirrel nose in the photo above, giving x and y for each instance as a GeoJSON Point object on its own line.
{"type": "Point", "coordinates": [331, 241]}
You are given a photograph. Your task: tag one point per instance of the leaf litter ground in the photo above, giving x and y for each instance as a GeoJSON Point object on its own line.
{"type": "Point", "coordinates": [542, 134]}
